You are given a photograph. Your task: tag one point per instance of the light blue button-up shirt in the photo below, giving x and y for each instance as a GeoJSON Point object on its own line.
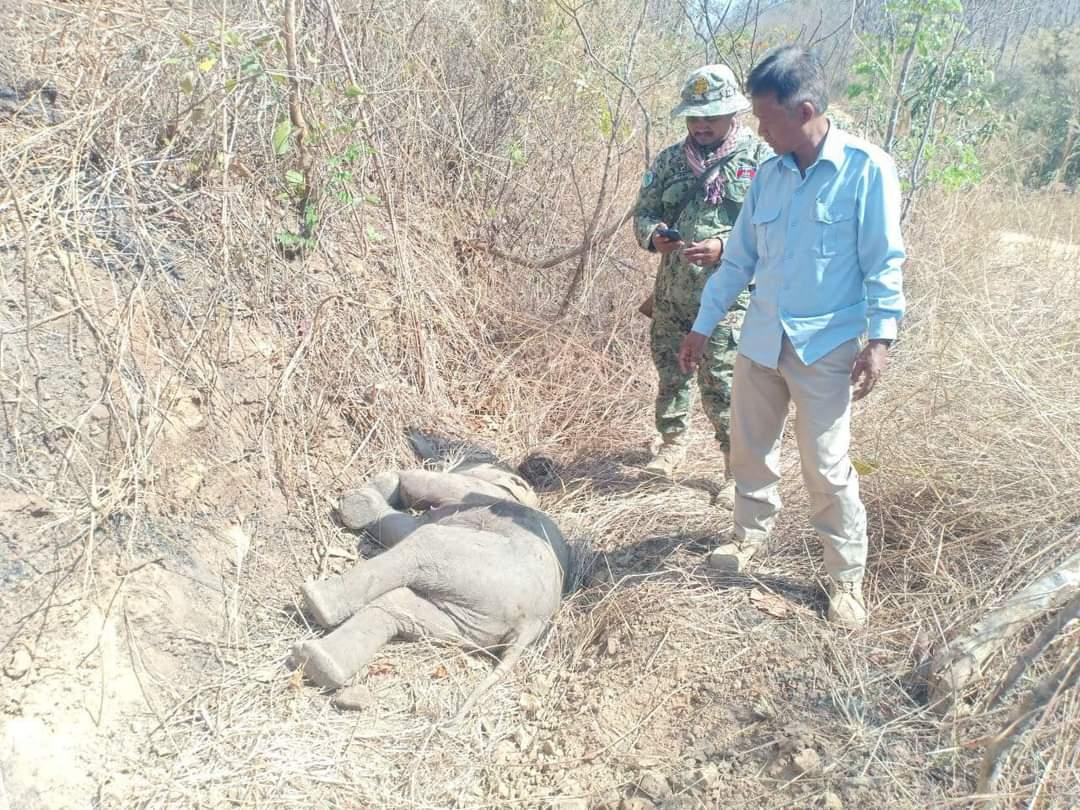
{"type": "Point", "coordinates": [824, 251]}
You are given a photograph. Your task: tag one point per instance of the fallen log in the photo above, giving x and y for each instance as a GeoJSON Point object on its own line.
{"type": "Point", "coordinates": [1065, 616]}
{"type": "Point", "coordinates": [957, 665]}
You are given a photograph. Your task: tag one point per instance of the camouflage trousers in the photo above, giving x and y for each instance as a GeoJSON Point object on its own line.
{"type": "Point", "coordinates": [675, 396]}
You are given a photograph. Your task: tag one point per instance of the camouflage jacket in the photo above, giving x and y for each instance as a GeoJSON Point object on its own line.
{"type": "Point", "coordinates": [671, 193]}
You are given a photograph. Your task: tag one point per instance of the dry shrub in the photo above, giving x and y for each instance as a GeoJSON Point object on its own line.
{"type": "Point", "coordinates": [162, 181]}
{"type": "Point", "coordinates": [155, 211]}
{"type": "Point", "coordinates": [979, 421]}
{"type": "Point", "coordinates": [975, 439]}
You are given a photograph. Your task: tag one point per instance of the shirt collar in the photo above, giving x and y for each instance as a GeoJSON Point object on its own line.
{"type": "Point", "coordinates": [832, 150]}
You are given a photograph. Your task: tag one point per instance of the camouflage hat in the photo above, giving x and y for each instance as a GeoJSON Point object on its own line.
{"type": "Point", "coordinates": [711, 90]}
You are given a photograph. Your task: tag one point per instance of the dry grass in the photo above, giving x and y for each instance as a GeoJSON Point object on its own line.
{"type": "Point", "coordinates": [145, 279]}
{"type": "Point", "coordinates": [977, 487]}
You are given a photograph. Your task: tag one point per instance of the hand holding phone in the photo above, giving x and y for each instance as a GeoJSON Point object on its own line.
{"type": "Point", "coordinates": [666, 239]}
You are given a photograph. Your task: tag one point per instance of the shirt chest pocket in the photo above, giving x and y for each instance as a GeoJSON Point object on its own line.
{"type": "Point", "coordinates": [677, 193]}
{"type": "Point", "coordinates": [766, 222]}
{"type": "Point", "coordinates": [834, 225]}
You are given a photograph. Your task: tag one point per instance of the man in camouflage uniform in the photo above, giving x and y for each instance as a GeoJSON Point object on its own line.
{"type": "Point", "coordinates": [697, 187]}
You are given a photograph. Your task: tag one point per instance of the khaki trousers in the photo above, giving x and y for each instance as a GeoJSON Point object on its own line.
{"type": "Point", "coordinates": [759, 407]}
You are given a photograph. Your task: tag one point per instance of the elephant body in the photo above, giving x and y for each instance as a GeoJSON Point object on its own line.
{"type": "Point", "coordinates": [479, 566]}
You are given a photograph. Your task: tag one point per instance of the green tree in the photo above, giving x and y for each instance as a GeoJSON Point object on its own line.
{"type": "Point", "coordinates": [924, 94]}
{"type": "Point", "coordinates": [1049, 101]}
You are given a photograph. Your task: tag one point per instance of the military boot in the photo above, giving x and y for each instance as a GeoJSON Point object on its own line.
{"type": "Point", "coordinates": [846, 605]}
{"type": "Point", "coordinates": [668, 457]}
{"type": "Point", "coordinates": [733, 557]}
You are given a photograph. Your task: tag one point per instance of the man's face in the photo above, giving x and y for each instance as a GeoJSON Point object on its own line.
{"type": "Point", "coordinates": [710, 131]}
{"type": "Point", "coordinates": [780, 126]}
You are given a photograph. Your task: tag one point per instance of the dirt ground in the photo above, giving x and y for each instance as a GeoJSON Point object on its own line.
{"type": "Point", "coordinates": [144, 660]}
{"type": "Point", "coordinates": [151, 555]}
{"type": "Point", "coordinates": [163, 685]}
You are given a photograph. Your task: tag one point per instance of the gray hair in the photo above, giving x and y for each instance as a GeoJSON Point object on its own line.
{"type": "Point", "coordinates": [794, 75]}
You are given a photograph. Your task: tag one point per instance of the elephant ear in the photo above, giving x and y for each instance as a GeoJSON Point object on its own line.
{"type": "Point", "coordinates": [448, 455]}
{"type": "Point", "coordinates": [506, 479]}
{"type": "Point", "coordinates": [519, 489]}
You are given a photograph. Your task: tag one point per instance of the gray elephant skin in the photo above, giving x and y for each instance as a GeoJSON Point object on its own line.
{"type": "Point", "coordinates": [469, 560]}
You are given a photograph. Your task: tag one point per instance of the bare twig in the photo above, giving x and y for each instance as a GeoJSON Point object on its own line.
{"type": "Point", "coordinates": [1056, 683]}
{"type": "Point", "coordinates": [296, 117]}
{"type": "Point", "coordinates": [1061, 619]}
{"type": "Point", "coordinates": [901, 86]}
{"type": "Point", "coordinates": [28, 263]}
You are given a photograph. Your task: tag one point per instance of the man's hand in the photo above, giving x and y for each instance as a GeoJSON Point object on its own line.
{"type": "Point", "coordinates": [693, 345]}
{"type": "Point", "coordinates": [662, 245]}
{"type": "Point", "coordinates": [869, 366]}
{"type": "Point", "coordinates": [705, 253]}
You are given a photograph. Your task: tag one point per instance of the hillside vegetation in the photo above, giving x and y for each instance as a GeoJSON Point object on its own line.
{"type": "Point", "coordinates": [245, 247]}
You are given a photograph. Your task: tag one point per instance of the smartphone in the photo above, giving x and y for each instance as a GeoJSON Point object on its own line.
{"type": "Point", "coordinates": [670, 233]}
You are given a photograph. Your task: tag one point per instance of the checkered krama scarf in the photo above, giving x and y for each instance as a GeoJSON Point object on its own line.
{"type": "Point", "coordinates": [700, 163]}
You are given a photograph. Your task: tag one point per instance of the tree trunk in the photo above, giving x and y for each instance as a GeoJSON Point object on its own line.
{"type": "Point", "coordinates": [901, 85]}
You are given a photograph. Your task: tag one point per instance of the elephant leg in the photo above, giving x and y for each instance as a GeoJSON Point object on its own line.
{"type": "Point", "coordinates": [331, 661]}
{"type": "Point", "coordinates": [369, 509]}
{"type": "Point", "coordinates": [332, 600]}
{"type": "Point", "coordinates": [427, 489]}
{"type": "Point", "coordinates": [388, 484]}
{"type": "Point", "coordinates": [418, 618]}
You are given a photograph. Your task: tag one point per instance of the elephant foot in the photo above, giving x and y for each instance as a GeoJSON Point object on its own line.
{"type": "Point", "coordinates": [388, 485]}
{"type": "Point", "coordinates": [326, 603]}
{"type": "Point", "coordinates": [360, 508]}
{"type": "Point", "coordinates": [319, 666]}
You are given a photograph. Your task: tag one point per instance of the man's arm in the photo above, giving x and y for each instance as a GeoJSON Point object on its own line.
{"type": "Point", "coordinates": [734, 274]}
{"type": "Point", "coordinates": [881, 255]}
{"type": "Point", "coordinates": [881, 251]}
{"type": "Point", "coordinates": [739, 174]}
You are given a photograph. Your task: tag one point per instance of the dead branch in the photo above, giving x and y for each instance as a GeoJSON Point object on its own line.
{"type": "Point", "coordinates": [1058, 682]}
{"type": "Point", "coordinates": [28, 263]}
{"type": "Point", "coordinates": [296, 113]}
{"type": "Point", "coordinates": [625, 86]}
{"type": "Point", "coordinates": [960, 663]}
{"type": "Point", "coordinates": [901, 86]}
{"type": "Point", "coordinates": [557, 258]}
{"type": "Point", "coordinates": [1062, 619]}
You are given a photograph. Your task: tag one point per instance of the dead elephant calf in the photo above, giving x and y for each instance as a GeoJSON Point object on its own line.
{"type": "Point", "coordinates": [481, 566]}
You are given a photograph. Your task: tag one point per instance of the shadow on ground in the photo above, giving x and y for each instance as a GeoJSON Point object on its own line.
{"type": "Point", "coordinates": [622, 472]}
{"type": "Point", "coordinates": [682, 558]}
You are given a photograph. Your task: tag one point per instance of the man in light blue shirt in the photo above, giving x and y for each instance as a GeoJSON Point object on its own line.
{"type": "Point", "coordinates": [819, 234]}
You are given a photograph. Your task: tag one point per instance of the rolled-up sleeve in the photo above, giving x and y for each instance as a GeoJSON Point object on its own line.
{"type": "Point", "coordinates": [649, 209]}
{"type": "Point", "coordinates": [881, 250]}
{"type": "Point", "coordinates": [735, 272]}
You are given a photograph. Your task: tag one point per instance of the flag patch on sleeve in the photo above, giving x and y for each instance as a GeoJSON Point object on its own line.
{"type": "Point", "coordinates": [745, 171]}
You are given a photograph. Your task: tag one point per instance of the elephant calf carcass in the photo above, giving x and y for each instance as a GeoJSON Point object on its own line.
{"type": "Point", "coordinates": [480, 566]}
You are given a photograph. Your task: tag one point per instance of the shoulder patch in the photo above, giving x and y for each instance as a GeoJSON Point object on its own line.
{"type": "Point", "coordinates": [745, 172]}
{"type": "Point", "coordinates": [648, 179]}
